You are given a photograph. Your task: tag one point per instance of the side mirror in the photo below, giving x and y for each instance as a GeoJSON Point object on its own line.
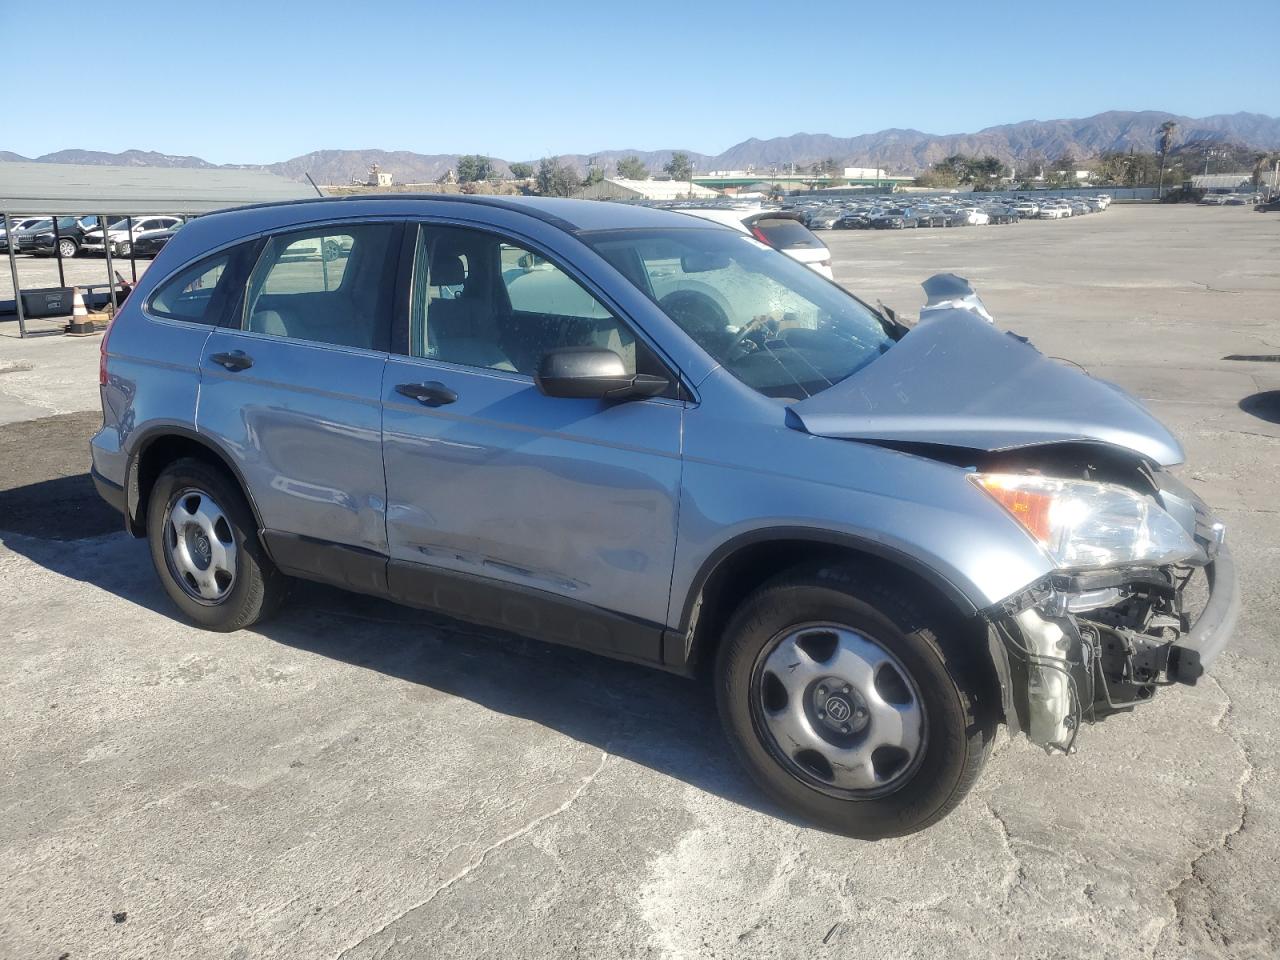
{"type": "Point", "coordinates": [593, 373]}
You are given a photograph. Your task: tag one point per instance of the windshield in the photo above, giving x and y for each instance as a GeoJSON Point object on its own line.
{"type": "Point", "coordinates": [770, 321]}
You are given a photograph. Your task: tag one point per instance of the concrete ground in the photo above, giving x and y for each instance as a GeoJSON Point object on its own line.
{"type": "Point", "coordinates": [356, 780]}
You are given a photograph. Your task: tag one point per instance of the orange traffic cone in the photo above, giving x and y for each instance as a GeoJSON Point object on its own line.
{"type": "Point", "coordinates": [81, 325]}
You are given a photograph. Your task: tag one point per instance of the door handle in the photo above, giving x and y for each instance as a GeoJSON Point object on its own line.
{"type": "Point", "coordinates": [433, 393]}
{"type": "Point", "coordinates": [235, 361]}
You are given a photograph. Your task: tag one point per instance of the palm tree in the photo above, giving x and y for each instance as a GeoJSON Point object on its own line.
{"type": "Point", "coordinates": [1167, 130]}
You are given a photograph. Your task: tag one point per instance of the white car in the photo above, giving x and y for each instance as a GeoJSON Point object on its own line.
{"type": "Point", "coordinates": [120, 236]}
{"type": "Point", "coordinates": [781, 229]}
{"type": "Point", "coordinates": [1027, 209]}
{"type": "Point", "coordinates": [1051, 211]}
{"type": "Point", "coordinates": [17, 224]}
{"type": "Point", "coordinates": [974, 217]}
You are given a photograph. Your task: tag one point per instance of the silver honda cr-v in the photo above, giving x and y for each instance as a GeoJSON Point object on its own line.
{"type": "Point", "coordinates": [632, 431]}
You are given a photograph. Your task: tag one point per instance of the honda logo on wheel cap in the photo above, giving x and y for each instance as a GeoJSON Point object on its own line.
{"type": "Point", "coordinates": [838, 709]}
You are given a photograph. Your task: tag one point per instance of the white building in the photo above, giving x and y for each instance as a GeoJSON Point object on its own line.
{"type": "Point", "coordinates": [865, 173]}
{"type": "Point", "coordinates": [619, 189]}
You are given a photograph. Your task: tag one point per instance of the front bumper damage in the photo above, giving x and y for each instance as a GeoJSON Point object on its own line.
{"type": "Point", "coordinates": [1075, 649]}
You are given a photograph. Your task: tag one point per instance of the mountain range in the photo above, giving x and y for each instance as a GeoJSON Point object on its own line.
{"type": "Point", "coordinates": [898, 151]}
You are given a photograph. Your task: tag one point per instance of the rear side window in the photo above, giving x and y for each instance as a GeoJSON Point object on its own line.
{"type": "Point", "coordinates": [782, 233]}
{"type": "Point", "coordinates": [333, 285]}
{"type": "Point", "coordinates": [190, 294]}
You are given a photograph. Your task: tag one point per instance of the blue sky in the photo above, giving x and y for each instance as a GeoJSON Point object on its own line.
{"type": "Point", "coordinates": [255, 82]}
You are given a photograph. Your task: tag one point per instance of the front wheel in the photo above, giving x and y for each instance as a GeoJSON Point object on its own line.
{"type": "Point", "coordinates": [124, 249]}
{"type": "Point", "coordinates": [205, 548]}
{"type": "Point", "coordinates": [852, 704]}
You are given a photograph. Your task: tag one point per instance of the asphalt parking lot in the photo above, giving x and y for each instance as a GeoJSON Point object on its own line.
{"type": "Point", "coordinates": [356, 780]}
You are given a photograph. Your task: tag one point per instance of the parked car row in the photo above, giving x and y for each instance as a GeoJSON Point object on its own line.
{"type": "Point", "coordinates": [896, 212]}
{"type": "Point", "coordinates": [1230, 199]}
{"type": "Point", "coordinates": [141, 236]}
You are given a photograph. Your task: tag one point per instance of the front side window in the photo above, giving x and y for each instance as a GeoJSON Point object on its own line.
{"type": "Point", "coordinates": [482, 301]}
{"type": "Point", "coordinates": [770, 321]}
{"type": "Point", "coordinates": [333, 285]}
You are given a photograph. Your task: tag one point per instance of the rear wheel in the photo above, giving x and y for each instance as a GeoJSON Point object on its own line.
{"type": "Point", "coordinates": [205, 548]}
{"type": "Point", "coordinates": [68, 247]}
{"type": "Point", "coordinates": [852, 703]}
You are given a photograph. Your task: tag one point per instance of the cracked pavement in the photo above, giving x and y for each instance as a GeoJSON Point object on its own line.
{"type": "Point", "coordinates": [362, 781]}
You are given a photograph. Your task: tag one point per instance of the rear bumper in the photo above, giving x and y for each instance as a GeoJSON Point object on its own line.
{"type": "Point", "coordinates": [1191, 655]}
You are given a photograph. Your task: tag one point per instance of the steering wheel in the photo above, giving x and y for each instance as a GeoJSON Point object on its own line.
{"type": "Point", "coordinates": [698, 315]}
{"type": "Point", "coordinates": [742, 345]}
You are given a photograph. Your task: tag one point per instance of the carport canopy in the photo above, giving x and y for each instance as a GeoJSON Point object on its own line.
{"type": "Point", "coordinates": [58, 189]}
{"type": "Point", "coordinates": [87, 190]}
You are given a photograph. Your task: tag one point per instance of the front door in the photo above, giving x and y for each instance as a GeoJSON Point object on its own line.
{"type": "Point", "coordinates": [292, 392]}
{"type": "Point", "coordinates": [550, 516]}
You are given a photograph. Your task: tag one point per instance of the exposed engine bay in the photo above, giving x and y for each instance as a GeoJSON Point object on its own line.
{"type": "Point", "coordinates": [1084, 644]}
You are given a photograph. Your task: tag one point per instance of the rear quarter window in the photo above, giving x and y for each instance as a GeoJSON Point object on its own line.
{"type": "Point", "coordinates": [189, 294]}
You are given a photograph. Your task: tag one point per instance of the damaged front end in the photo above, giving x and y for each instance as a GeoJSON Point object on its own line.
{"type": "Point", "coordinates": [1145, 596]}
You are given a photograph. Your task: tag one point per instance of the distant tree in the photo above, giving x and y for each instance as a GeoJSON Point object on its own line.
{"type": "Point", "coordinates": [829, 167]}
{"type": "Point", "coordinates": [986, 172]}
{"type": "Point", "coordinates": [941, 176]}
{"type": "Point", "coordinates": [1064, 169]}
{"type": "Point", "coordinates": [473, 167]}
{"type": "Point", "coordinates": [1262, 167]}
{"type": "Point", "coordinates": [594, 175]}
{"type": "Point", "coordinates": [554, 179]}
{"type": "Point", "coordinates": [954, 167]}
{"type": "Point", "coordinates": [1032, 167]}
{"type": "Point", "coordinates": [521, 171]}
{"type": "Point", "coordinates": [632, 168]}
{"type": "Point", "coordinates": [679, 167]}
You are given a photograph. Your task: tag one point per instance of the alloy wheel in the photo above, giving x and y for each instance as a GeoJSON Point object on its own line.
{"type": "Point", "coordinates": [67, 248]}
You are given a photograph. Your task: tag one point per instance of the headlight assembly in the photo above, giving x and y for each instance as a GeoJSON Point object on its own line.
{"type": "Point", "coordinates": [1082, 524]}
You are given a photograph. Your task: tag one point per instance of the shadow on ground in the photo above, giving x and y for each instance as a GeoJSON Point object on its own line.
{"type": "Point", "coordinates": [1264, 406]}
{"type": "Point", "coordinates": [663, 722]}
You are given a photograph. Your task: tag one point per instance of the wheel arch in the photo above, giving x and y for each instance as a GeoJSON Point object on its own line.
{"type": "Point", "coordinates": [744, 563]}
{"type": "Point", "coordinates": [160, 446]}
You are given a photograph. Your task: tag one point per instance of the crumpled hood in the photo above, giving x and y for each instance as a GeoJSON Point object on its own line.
{"type": "Point", "coordinates": [958, 381]}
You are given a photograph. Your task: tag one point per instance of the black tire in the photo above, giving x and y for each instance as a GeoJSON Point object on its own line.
{"type": "Point", "coordinates": [67, 242]}
{"type": "Point", "coordinates": [932, 644]}
{"type": "Point", "coordinates": [256, 590]}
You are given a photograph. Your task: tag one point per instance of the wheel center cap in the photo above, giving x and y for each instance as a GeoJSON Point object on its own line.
{"type": "Point", "coordinates": [838, 709]}
{"type": "Point", "coordinates": [202, 548]}
{"type": "Point", "coordinates": [839, 706]}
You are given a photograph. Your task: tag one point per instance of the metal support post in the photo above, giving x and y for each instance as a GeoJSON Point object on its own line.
{"type": "Point", "coordinates": [13, 270]}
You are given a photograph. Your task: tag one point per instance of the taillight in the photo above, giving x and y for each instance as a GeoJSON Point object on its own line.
{"type": "Point", "coordinates": [759, 235]}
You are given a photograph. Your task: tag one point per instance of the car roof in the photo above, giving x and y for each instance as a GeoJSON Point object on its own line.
{"type": "Point", "coordinates": [573, 216]}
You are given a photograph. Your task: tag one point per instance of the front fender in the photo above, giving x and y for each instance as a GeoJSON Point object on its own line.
{"type": "Point", "coordinates": [914, 512]}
